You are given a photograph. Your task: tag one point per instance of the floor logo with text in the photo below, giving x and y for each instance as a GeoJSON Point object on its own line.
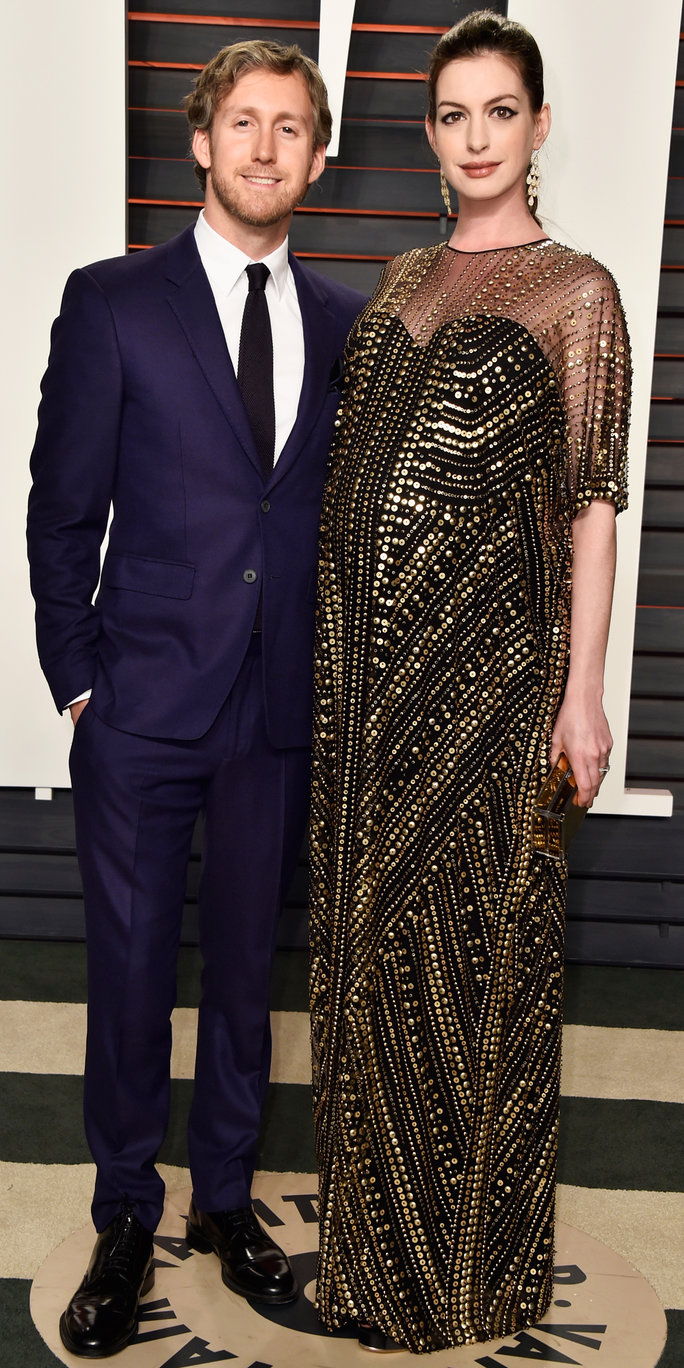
{"type": "Point", "coordinates": [600, 1304]}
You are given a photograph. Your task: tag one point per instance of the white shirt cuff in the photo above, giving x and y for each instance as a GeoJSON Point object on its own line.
{"type": "Point", "coordinates": [80, 699]}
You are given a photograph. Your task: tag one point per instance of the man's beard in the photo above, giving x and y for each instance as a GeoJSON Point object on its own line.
{"type": "Point", "coordinates": [244, 207]}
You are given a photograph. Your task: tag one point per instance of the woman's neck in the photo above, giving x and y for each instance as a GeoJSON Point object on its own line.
{"type": "Point", "coordinates": [481, 226]}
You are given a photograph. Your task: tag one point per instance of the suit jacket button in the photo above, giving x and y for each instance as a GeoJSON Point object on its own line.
{"type": "Point", "coordinates": [249, 576]}
{"type": "Point", "coordinates": [265, 506]}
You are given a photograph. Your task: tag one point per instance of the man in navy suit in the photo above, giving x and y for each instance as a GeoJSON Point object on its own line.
{"type": "Point", "coordinates": [191, 392]}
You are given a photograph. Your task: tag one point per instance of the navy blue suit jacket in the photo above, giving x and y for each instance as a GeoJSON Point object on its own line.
{"type": "Point", "coordinates": [141, 413]}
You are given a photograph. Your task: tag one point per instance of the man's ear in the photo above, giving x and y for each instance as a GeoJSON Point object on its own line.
{"type": "Point", "coordinates": [317, 163]}
{"type": "Point", "coordinates": [201, 147]}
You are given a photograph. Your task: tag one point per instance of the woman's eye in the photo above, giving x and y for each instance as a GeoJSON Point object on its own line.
{"type": "Point", "coordinates": [504, 112]}
{"type": "Point", "coordinates": [452, 116]}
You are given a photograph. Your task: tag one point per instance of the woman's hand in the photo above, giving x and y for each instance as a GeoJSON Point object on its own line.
{"type": "Point", "coordinates": [581, 730]}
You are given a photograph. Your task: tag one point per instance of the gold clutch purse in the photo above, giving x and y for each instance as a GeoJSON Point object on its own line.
{"type": "Point", "coordinates": [556, 815]}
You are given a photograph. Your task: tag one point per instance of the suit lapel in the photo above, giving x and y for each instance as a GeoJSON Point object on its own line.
{"type": "Point", "coordinates": [318, 324]}
{"type": "Point", "coordinates": [193, 303]}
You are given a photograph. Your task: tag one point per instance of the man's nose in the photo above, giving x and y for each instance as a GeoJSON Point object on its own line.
{"type": "Point", "coordinates": [264, 145]}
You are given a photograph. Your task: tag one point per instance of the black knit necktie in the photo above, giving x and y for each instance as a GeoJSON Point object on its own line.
{"type": "Point", "coordinates": [255, 366]}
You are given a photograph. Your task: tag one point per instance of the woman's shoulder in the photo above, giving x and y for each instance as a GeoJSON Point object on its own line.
{"type": "Point", "coordinates": [401, 273]}
{"type": "Point", "coordinates": [416, 254]}
{"type": "Point", "coordinates": [416, 259]}
{"type": "Point", "coordinates": [581, 273]}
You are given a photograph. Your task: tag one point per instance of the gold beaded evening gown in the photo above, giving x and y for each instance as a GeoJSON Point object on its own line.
{"type": "Point", "coordinates": [486, 403]}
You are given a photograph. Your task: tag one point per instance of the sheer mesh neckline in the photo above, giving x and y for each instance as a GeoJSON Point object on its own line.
{"type": "Point", "coordinates": [509, 247]}
{"type": "Point", "coordinates": [563, 300]}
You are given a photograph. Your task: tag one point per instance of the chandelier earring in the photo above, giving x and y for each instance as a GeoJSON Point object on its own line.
{"type": "Point", "coordinates": [533, 179]}
{"type": "Point", "coordinates": [444, 187]}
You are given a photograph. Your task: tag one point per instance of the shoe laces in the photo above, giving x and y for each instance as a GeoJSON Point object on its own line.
{"type": "Point", "coordinates": [126, 1242]}
{"type": "Point", "coordinates": [243, 1219]}
{"type": "Point", "coordinates": [242, 1216]}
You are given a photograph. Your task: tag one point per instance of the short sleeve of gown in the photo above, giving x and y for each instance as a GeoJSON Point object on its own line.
{"type": "Point", "coordinates": [596, 384]}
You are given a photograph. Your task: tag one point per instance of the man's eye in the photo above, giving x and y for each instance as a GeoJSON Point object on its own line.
{"type": "Point", "coordinates": [287, 129]}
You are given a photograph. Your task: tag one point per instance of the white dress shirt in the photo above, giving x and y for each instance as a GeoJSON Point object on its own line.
{"type": "Point", "coordinates": [225, 266]}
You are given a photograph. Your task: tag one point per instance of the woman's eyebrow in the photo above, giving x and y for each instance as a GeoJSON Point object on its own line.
{"type": "Point", "coordinates": [454, 104]}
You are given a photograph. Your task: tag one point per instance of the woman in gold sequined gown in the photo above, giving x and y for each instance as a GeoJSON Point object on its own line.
{"type": "Point", "coordinates": [466, 573]}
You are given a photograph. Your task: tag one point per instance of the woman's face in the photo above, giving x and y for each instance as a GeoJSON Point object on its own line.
{"type": "Point", "coordinates": [485, 130]}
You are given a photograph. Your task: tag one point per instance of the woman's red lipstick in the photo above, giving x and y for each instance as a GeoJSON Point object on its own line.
{"type": "Point", "coordinates": [478, 169]}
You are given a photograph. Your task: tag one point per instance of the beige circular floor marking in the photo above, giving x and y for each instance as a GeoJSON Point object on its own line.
{"type": "Point", "coordinates": [604, 1313]}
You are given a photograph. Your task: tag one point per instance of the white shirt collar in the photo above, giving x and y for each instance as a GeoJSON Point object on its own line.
{"type": "Point", "coordinates": [225, 263]}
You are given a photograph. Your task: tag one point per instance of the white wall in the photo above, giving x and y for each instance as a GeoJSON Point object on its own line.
{"type": "Point", "coordinates": [610, 68]}
{"type": "Point", "coordinates": [64, 173]}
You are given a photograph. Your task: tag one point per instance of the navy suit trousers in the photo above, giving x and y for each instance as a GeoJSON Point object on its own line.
{"type": "Point", "coordinates": [136, 801]}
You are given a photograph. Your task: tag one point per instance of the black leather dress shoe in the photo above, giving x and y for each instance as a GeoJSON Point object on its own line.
{"type": "Point", "coordinates": [251, 1264]}
{"type": "Point", "coordinates": [102, 1316]}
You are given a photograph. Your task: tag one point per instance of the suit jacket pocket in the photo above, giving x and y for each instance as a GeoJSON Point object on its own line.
{"type": "Point", "coordinates": [167, 579]}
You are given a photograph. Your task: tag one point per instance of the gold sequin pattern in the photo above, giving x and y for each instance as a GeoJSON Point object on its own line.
{"type": "Point", "coordinates": [486, 402]}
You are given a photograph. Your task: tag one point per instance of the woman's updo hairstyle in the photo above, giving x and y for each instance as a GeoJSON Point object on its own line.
{"type": "Point", "coordinates": [486, 31]}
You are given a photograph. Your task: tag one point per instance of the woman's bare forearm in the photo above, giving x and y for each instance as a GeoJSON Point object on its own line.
{"type": "Point", "coordinates": [593, 576]}
{"type": "Point", "coordinates": [581, 728]}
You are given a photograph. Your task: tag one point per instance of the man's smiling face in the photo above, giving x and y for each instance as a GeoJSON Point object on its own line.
{"type": "Point", "coordinates": [259, 153]}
